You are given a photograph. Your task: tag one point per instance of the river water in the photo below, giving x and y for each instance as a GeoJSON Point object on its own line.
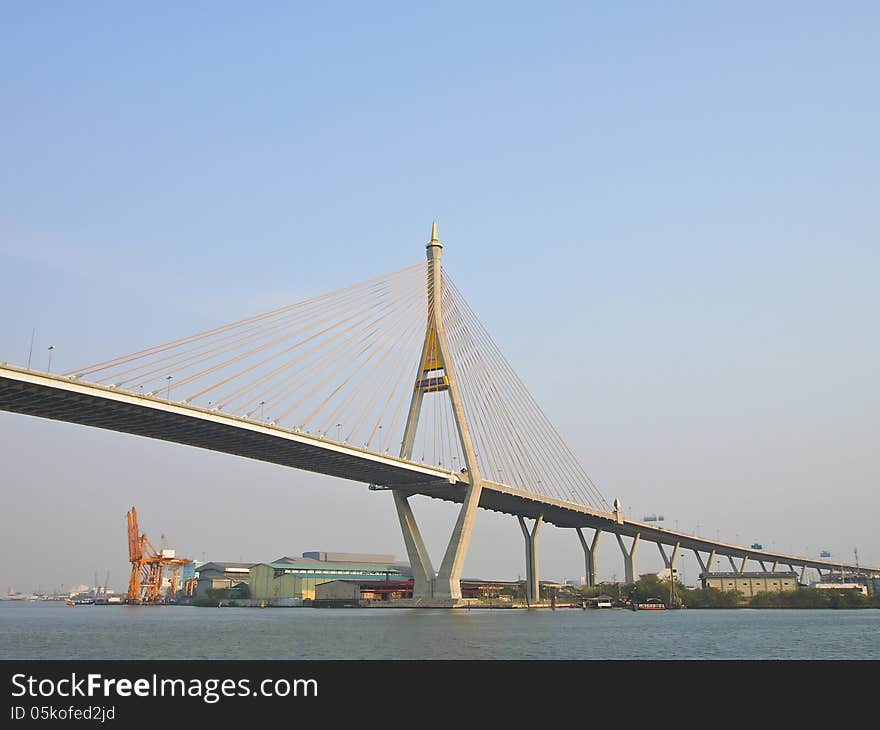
{"type": "Point", "coordinates": [53, 630]}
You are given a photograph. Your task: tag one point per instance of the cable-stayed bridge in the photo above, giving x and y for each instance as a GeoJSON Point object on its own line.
{"type": "Point", "coordinates": [393, 382]}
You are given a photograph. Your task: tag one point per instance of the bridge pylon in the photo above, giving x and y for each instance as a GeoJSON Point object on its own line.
{"type": "Point", "coordinates": [436, 375]}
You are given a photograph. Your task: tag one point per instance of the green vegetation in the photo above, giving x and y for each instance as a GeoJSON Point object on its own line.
{"type": "Point", "coordinates": [650, 586]}
{"type": "Point", "coordinates": [712, 598]}
{"type": "Point", "coordinates": [516, 593]}
{"type": "Point", "coordinates": [815, 598]}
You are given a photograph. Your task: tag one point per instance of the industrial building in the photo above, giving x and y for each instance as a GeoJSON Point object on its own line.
{"type": "Point", "coordinates": [871, 581]}
{"type": "Point", "coordinates": [750, 584]}
{"type": "Point", "coordinates": [358, 592]}
{"type": "Point", "coordinates": [335, 579]}
{"type": "Point", "coordinates": [857, 587]}
{"type": "Point", "coordinates": [216, 576]}
{"type": "Point", "coordinates": [346, 592]}
{"type": "Point", "coordinates": [292, 581]}
{"type": "Point", "coordinates": [381, 558]}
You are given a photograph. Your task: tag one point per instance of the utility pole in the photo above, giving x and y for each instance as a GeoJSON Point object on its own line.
{"type": "Point", "coordinates": [31, 350]}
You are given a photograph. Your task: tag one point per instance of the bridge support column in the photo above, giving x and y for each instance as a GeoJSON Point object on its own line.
{"type": "Point", "coordinates": [706, 567]}
{"type": "Point", "coordinates": [803, 573]}
{"type": "Point", "coordinates": [629, 558]}
{"type": "Point", "coordinates": [447, 585]}
{"type": "Point", "coordinates": [669, 562]}
{"type": "Point", "coordinates": [419, 559]}
{"type": "Point", "coordinates": [589, 555]}
{"type": "Point", "coordinates": [533, 588]}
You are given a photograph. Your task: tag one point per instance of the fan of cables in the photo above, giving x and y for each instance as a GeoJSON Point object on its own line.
{"type": "Point", "coordinates": [343, 367]}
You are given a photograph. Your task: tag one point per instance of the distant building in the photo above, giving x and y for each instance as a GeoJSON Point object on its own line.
{"type": "Point", "coordinates": [221, 576]}
{"type": "Point", "coordinates": [664, 574]}
{"type": "Point", "coordinates": [358, 592]}
{"type": "Point", "coordinates": [293, 581]}
{"type": "Point", "coordinates": [858, 587]}
{"type": "Point", "coordinates": [750, 584]}
{"type": "Point", "coordinates": [870, 581]}
{"type": "Point", "coordinates": [548, 584]}
{"type": "Point", "coordinates": [349, 557]}
{"type": "Point", "coordinates": [361, 593]}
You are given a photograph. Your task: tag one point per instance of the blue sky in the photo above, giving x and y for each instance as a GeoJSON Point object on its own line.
{"type": "Point", "coordinates": [666, 214]}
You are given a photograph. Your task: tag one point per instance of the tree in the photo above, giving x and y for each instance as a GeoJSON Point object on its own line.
{"type": "Point", "coordinates": [711, 598]}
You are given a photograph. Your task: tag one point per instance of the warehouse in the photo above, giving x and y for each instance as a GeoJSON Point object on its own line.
{"type": "Point", "coordinates": [292, 581]}
{"type": "Point", "coordinates": [221, 576]}
{"type": "Point", "coordinates": [750, 584]}
{"type": "Point", "coordinates": [345, 593]}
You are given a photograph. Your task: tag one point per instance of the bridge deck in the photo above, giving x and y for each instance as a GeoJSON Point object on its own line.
{"type": "Point", "coordinates": [67, 399]}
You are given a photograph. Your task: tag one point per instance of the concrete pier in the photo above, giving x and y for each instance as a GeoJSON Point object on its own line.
{"type": "Point", "coordinates": [669, 561]}
{"type": "Point", "coordinates": [589, 555]}
{"type": "Point", "coordinates": [533, 592]}
{"type": "Point", "coordinates": [629, 558]}
{"type": "Point", "coordinates": [706, 567]}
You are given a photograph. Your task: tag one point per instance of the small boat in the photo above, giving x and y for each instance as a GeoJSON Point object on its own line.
{"type": "Point", "coordinates": [70, 603]}
{"type": "Point", "coordinates": [651, 604]}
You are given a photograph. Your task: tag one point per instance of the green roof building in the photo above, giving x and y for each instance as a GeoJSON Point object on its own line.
{"type": "Point", "coordinates": [292, 581]}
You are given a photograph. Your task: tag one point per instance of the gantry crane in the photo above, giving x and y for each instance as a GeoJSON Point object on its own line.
{"type": "Point", "coordinates": [148, 565]}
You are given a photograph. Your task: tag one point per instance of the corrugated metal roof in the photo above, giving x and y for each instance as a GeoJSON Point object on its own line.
{"type": "Point", "coordinates": [743, 576]}
{"type": "Point", "coordinates": [315, 561]}
{"type": "Point", "coordinates": [321, 567]}
{"type": "Point", "coordinates": [214, 565]}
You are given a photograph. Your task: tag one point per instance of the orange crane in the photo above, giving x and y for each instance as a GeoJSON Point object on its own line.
{"type": "Point", "coordinates": [148, 565]}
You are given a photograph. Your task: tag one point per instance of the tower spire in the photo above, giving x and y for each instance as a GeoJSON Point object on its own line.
{"type": "Point", "coordinates": [434, 240]}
